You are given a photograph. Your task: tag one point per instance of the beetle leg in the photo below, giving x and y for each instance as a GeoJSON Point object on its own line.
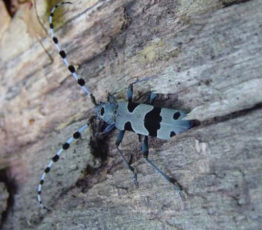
{"type": "Point", "coordinates": [129, 93]}
{"type": "Point", "coordinates": [127, 165]}
{"type": "Point", "coordinates": [152, 97]}
{"type": "Point", "coordinates": [108, 128]}
{"type": "Point", "coordinates": [177, 186]}
{"type": "Point", "coordinates": [111, 99]}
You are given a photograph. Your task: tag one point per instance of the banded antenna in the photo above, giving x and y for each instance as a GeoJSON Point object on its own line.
{"type": "Point", "coordinates": [63, 54]}
{"type": "Point", "coordinates": [81, 82]}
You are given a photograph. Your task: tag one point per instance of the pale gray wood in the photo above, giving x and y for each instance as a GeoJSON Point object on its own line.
{"type": "Point", "coordinates": [205, 54]}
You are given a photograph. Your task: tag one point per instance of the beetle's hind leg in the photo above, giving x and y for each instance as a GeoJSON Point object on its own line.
{"type": "Point", "coordinates": [171, 180]}
{"type": "Point", "coordinates": [127, 165]}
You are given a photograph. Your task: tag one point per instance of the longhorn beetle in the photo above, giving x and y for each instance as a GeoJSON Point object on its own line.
{"type": "Point", "coordinates": [143, 119]}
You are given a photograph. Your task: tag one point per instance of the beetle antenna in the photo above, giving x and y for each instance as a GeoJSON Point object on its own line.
{"type": "Point", "coordinates": [63, 55]}
{"type": "Point", "coordinates": [54, 159]}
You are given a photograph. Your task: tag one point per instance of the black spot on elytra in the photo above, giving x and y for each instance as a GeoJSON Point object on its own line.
{"type": "Point", "coordinates": [47, 170]}
{"type": "Point", "coordinates": [131, 106]}
{"type": "Point", "coordinates": [128, 126]}
{"type": "Point", "coordinates": [152, 121]}
{"type": "Point", "coordinates": [176, 115]}
{"type": "Point", "coordinates": [172, 134]}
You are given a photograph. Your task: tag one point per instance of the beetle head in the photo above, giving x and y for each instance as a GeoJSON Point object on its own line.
{"type": "Point", "coordinates": [106, 112]}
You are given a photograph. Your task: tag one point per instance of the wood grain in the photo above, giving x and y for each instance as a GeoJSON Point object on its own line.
{"type": "Point", "coordinates": [206, 55]}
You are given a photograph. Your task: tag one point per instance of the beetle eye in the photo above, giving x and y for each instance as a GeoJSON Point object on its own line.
{"type": "Point", "coordinates": [102, 111]}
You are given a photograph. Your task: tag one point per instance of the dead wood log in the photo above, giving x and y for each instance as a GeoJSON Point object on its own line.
{"type": "Point", "coordinates": [205, 54]}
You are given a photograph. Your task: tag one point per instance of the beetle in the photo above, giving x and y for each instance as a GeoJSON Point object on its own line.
{"type": "Point", "coordinates": [142, 119]}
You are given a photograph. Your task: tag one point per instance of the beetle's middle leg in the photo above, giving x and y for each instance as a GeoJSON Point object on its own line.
{"type": "Point", "coordinates": [145, 152]}
{"type": "Point", "coordinates": [171, 180]}
{"type": "Point", "coordinates": [127, 165]}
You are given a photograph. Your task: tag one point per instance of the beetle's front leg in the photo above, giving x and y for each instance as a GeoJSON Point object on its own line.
{"type": "Point", "coordinates": [129, 93]}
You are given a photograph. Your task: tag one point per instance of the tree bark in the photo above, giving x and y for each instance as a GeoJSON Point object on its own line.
{"type": "Point", "coordinates": [206, 56]}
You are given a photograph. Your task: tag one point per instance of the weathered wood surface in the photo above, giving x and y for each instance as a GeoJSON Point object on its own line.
{"type": "Point", "coordinates": [207, 53]}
